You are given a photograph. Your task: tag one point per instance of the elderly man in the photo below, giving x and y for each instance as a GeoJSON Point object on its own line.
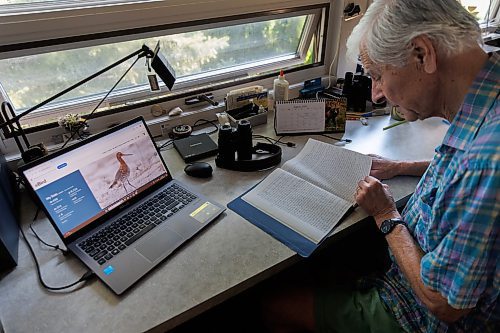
{"type": "Point", "coordinates": [424, 56]}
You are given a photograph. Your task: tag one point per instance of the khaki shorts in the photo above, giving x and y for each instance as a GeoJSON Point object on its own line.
{"type": "Point", "coordinates": [339, 310]}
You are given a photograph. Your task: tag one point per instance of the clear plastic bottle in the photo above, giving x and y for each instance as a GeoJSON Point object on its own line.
{"type": "Point", "coordinates": [280, 88]}
{"type": "Point", "coordinates": [270, 101]}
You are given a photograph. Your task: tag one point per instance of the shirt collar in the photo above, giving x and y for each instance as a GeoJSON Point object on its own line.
{"type": "Point", "coordinates": [479, 100]}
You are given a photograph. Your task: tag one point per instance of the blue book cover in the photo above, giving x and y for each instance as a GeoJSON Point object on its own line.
{"type": "Point", "coordinates": [298, 243]}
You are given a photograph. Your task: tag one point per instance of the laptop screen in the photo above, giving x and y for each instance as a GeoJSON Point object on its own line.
{"type": "Point", "coordinates": [81, 185]}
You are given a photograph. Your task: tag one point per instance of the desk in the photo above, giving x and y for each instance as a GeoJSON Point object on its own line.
{"type": "Point", "coordinates": [225, 259]}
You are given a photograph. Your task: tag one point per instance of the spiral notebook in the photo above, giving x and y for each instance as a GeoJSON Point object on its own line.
{"type": "Point", "coordinates": [310, 116]}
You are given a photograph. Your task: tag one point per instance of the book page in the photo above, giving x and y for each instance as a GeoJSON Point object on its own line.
{"type": "Point", "coordinates": [300, 116]}
{"type": "Point", "coordinates": [298, 204]}
{"type": "Point", "coordinates": [334, 169]}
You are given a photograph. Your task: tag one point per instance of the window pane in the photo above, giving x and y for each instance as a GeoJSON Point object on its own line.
{"type": "Point", "coordinates": [202, 51]}
{"type": "Point", "coordinates": [478, 8]}
{"type": "Point", "coordinates": [32, 79]}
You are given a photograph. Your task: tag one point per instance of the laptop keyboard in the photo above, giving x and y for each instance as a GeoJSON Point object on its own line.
{"type": "Point", "coordinates": [120, 234]}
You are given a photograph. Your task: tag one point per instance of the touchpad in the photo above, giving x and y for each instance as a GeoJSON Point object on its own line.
{"type": "Point", "coordinates": [162, 243]}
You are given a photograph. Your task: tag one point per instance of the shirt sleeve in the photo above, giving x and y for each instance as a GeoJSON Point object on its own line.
{"type": "Point", "coordinates": [464, 263]}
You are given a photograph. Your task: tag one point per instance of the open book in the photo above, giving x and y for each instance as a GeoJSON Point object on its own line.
{"type": "Point", "coordinates": [313, 191]}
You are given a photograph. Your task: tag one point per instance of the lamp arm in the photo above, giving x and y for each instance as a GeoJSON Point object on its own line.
{"type": "Point", "coordinates": [145, 51]}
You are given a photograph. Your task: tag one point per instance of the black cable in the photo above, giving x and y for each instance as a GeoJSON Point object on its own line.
{"type": "Point", "coordinates": [55, 247]}
{"type": "Point", "coordinates": [85, 277]}
{"type": "Point", "coordinates": [206, 122]}
{"type": "Point", "coordinates": [89, 116]}
{"type": "Point", "coordinates": [263, 138]}
{"type": "Point", "coordinates": [165, 144]}
{"type": "Point", "coordinates": [273, 140]}
{"type": "Point", "coordinates": [288, 144]}
{"type": "Point", "coordinates": [18, 180]}
{"type": "Point", "coordinates": [279, 139]}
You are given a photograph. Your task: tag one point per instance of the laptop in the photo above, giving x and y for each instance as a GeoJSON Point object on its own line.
{"type": "Point", "coordinates": [113, 202]}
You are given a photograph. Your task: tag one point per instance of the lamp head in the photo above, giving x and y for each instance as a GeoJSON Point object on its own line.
{"type": "Point", "coordinates": [161, 66]}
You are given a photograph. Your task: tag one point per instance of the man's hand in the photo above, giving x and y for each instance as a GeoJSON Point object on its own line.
{"type": "Point", "coordinates": [384, 168]}
{"type": "Point", "coordinates": [376, 199]}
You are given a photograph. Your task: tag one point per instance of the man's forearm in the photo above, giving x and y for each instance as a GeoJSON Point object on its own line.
{"type": "Point", "coordinates": [383, 168]}
{"type": "Point", "coordinates": [376, 199]}
{"type": "Point", "coordinates": [408, 256]}
{"type": "Point", "coordinates": [412, 168]}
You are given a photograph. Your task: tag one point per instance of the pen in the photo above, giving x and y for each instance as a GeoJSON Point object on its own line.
{"type": "Point", "coordinates": [366, 114]}
{"type": "Point", "coordinates": [395, 124]}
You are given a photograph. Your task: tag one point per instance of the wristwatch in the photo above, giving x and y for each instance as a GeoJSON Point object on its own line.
{"type": "Point", "coordinates": [388, 225]}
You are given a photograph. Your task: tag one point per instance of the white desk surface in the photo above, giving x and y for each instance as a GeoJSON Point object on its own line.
{"type": "Point", "coordinates": [227, 258]}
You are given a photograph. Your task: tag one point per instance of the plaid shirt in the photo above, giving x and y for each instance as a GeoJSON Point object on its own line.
{"type": "Point", "coordinates": [454, 217]}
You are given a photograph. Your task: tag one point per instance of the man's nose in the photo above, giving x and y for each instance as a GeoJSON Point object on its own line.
{"type": "Point", "coordinates": [377, 94]}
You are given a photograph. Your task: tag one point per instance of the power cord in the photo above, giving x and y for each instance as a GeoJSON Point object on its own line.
{"type": "Point", "coordinates": [273, 141]}
{"type": "Point", "coordinates": [166, 144]}
{"type": "Point", "coordinates": [55, 247]}
{"type": "Point", "coordinates": [204, 122]}
{"type": "Point", "coordinates": [85, 277]}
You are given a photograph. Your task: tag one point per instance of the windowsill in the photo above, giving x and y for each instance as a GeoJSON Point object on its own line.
{"type": "Point", "coordinates": [159, 128]}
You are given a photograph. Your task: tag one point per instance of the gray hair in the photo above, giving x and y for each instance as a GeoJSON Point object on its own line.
{"type": "Point", "coordinates": [389, 26]}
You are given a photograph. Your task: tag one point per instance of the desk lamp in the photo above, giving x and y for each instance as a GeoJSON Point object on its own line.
{"type": "Point", "coordinates": [11, 127]}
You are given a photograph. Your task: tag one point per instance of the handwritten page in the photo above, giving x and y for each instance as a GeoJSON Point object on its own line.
{"type": "Point", "coordinates": [300, 116]}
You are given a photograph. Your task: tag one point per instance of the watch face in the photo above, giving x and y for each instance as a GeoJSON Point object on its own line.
{"type": "Point", "coordinates": [386, 226]}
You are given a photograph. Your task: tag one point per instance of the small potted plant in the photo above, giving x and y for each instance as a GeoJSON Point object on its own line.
{"type": "Point", "coordinates": [74, 125]}
{"type": "Point", "coordinates": [73, 122]}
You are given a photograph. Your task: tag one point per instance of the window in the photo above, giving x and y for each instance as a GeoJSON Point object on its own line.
{"type": "Point", "coordinates": [483, 10]}
{"type": "Point", "coordinates": [194, 54]}
{"type": "Point", "coordinates": [202, 51]}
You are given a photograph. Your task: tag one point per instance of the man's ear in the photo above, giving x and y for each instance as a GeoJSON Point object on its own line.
{"type": "Point", "coordinates": [424, 53]}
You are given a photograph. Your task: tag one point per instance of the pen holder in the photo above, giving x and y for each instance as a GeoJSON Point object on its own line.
{"type": "Point", "coordinates": [254, 114]}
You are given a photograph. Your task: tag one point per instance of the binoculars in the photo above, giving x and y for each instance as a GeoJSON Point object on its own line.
{"type": "Point", "coordinates": [235, 143]}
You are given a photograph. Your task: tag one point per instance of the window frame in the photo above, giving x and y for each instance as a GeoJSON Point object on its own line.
{"type": "Point", "coordinates": [317, 12]}
{"type": "Point", "coordinates": [44, 133]}
{"type": "Point", "coordinates": [31, 32]}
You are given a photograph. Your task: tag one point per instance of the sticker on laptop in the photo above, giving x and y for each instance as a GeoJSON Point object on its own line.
{"type": "Point", "coordinates": [108, 270]}
{"type": "Point", "coordinates": [205, 212]}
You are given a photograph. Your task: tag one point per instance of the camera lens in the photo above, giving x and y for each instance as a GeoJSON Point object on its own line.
{"type": "Point", "coordinates": [244, 147]}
